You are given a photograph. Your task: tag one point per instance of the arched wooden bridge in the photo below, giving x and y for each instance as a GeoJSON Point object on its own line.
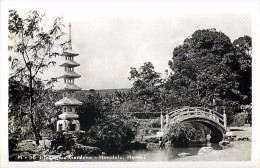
{"type": "Point", "coordinates": [214, 120]}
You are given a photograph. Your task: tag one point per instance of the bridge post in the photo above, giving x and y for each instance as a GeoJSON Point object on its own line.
{"type": "Point", "coordinates": [225, 118]}
{"type": "Point", "coordinates": [161, 122]}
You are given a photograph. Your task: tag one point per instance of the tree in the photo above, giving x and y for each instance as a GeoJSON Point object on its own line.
{"type": "Point", "coordinates": [90, 112]}
{"type": "Point", "coordinates": [17, 102]}
{"type": "Point", "coordinates": [201, 72]}
{"type": "Point", "coordinates": [31, 48]}
{"type": "Point", "coordinates": [45, 112]}
{"type": "Point", "coordinates": [125, 102]}
{"type": "Point", "coordinates": [146, 85]}
{"type": "Point", "coordinates": [242, 65]}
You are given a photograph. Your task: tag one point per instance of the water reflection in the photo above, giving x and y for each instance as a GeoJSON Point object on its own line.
{"type": "Point", "coordinates": [165, 154]}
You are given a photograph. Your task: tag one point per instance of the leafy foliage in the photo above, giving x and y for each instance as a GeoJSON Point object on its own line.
{"type": "Point", "coordinates": [111, 135]}
{"type": "Point", "coordinates": [242, 66]}
{"type": "Point", "coordinates": [146, 85]}
{"type": "Point", "coordinates": [46, 112]}
{"type": "Point", "coordinates": [132, 106]}
{"type": "Point", "coordinates": [208, 70]}
{"type": "Point", "coordinates": [12, 145]}
{"type": "Point", "coordinates": [90, 112]}
{"type": "Point", "coordinates": [184, 133]}
{"type": "Point", "coordinates": [17, 120]}
{"type": "Point", "coordinates": [200, 68]}
{"type": "Point", "coordinates": [63, 139]}
{"type": "Point", "coordinates": [31, 49]}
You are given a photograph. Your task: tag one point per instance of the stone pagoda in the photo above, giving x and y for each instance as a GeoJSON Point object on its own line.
{"type": "Point", "coordinates": [68, 119]}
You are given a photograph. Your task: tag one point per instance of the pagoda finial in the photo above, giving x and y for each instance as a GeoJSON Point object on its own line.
{"type": "Point", "coordinates": [68, 118]}
{"type": "Point", "coordinates": [70, 43]}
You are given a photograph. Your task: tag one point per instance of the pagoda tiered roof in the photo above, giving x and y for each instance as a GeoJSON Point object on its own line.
{"type": "Point", "coordinates": [68, 101]}
{"type": "Point", "coordinates": [69, 86]}
{"type": "Point", "coordinates": [65, 116]}
{"type": "Point", "coordinates": [70, 63]}
{"type": "Point", "coordinates": [69, 52]}
{"type": "Point", "coordinates": [70, 74]}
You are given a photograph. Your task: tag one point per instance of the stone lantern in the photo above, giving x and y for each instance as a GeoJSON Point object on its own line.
{"type": "Point", "coordinates": [68, 119]}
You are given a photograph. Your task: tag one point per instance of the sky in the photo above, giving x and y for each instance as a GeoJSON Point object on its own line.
{"type": "Point", "coordinates": [111, 37]}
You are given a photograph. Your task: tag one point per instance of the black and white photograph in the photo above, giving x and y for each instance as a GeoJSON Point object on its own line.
{"type": "Point", "coordinates": [130, 83]}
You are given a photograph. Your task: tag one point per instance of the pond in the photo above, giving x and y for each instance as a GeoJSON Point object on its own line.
{"type": "Point", "coordinates": [141, 155]}
{"type": "Point", "coordinates": [165, 154]}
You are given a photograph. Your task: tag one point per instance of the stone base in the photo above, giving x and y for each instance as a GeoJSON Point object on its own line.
{"type": "Point", "coordinates": [68, 125]}
{"type": "Point", "coordinates": [68, 115]}
{"type": "Point", "coordinates": [159, 134]}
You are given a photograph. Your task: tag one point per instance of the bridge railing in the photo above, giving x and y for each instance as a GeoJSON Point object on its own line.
{"type": "Point", "coordinates": [203, 114]}
{"type": "Point", "coordinates": [188, 112]}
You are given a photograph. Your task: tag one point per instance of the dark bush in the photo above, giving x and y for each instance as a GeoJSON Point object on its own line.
{"type": "Point", "coordinates": [185, 133]}
{"type": "Point", "coordinates": [111, 135]}
{"type": "Point", "coordinates": [63, 139]}
{"type": "Point", "coordinates": [12, 144]}
{"type": "Point", "coordinates": [152, 139]}
{"type": "Point", "coordinates": [240, 119]}
{"type": "Point", "coordinates": [82, 150]}
{"type": "Point", "coordinates": [80, 137]}
{"type": "Point", "coordinates": [90, 111]}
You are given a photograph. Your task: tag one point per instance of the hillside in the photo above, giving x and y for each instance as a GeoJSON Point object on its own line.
{"type": "Point", "coordinates": [108, 91]}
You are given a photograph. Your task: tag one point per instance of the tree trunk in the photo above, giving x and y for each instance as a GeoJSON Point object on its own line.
{"type": "Point", "coordinates": [34, 130]}
{"type": "Point", "coordinates": [36, 135]}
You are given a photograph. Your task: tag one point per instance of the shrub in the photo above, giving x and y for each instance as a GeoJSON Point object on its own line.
{"type": "Point", "coordinates": [152, 140]}
{"type": "Point", "coordinates": [82, 150]}
{"type": "Point", "coordinates": [79, 137]}
{"type": "Point", "coordinates": [131, 106]}
{"type": "Point", "coordinates": [111, 135]}
{"type": "Point", "coordinates": [185, 133]}
{"type": "Point", "coordinates": [90, 112]}
{"type": "Point", "coordinates": [154, 123]}
{"type": "Point", "coordinates": [64, 139]}
{"type": "Point", "coordinates": [12, 144]}
{"type": "Point", "coordinates": [240, 119]}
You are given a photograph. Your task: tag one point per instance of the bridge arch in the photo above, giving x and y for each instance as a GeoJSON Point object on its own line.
{"type": "Point", "coordinates": [214, 120]}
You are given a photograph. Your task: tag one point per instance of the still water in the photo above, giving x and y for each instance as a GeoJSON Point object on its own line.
{"type": "Point", "coordinates": [164, 154]}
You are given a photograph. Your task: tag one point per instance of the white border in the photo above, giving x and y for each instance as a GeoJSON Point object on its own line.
{"type": "Point", "coordinates": [191, 6]}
